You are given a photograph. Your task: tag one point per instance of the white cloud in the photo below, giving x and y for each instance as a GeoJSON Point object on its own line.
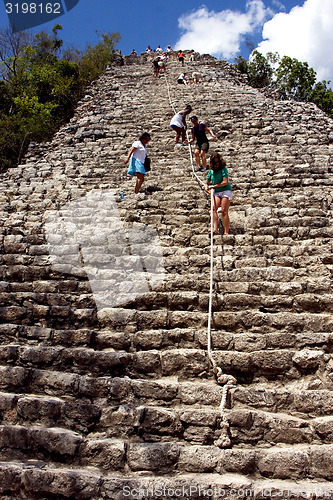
{"type": "Point", "coordinates": [220, 33]}
{"type": "Point", "coordinates": [279, 5]}
{"type": "Point", "coordinates": [305, 33]}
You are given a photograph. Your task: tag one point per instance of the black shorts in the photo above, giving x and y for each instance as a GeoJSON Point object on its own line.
{"type": "Point", "coordinates": [203, 147]}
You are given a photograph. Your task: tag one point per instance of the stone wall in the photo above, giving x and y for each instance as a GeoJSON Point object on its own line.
{"type": "Point", "coordinates": [99, 399]}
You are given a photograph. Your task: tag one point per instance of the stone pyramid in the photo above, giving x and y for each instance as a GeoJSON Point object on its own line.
{"type": "Point", "coordinates": [107, 390]}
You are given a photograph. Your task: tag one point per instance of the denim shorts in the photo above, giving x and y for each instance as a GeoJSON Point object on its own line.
{"type": "Point", "coordinates": [224, 194]}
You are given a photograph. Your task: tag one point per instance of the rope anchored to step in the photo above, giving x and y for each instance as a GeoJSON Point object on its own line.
{"type": "Point", "coordinates": [223, 379]}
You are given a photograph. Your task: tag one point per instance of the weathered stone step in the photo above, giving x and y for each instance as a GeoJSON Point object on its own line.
{"type": "Point", "coordinates": [46, 411]}
{"type": "Point", "coordinates": [250, 321]}
{"type": "Point", "coordinates": [194, 337]}
{"type": "Point", "coordinates": [165, 391]}
{"type": "Point", "coordinates": [56, 444]}
{"type": "Point", "coordinates": [252, 427]}
{"type": "Point", "coordinates": [59, 445]}
{"type": "Point", "coordinates": [39, 335]}
{"type": "Point", "coordinates": [57, 316]}
{"type": "Point", "coordinates": [247, 427]}
{"type": "Point", "coordinates": [187, 363]}
{"type": "Point", "coordinates": [315, 401]}
{"type": "Point", "coordinates": [133, 340]}
{"type": "Point", "coordinates": [158, 424]}
{"type": "Point", "coordinates": [28, 479]}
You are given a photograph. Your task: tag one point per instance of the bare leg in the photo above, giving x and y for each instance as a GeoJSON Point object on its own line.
{"type": "Point", "coordinates": [197, 157]}
{"type": "Point", "coordinates": [216, 205]}
{"type": "Point", "coordinates": [178, 132]}
{"type": "Point", "coordinates": [139, 181]}
{"type": "Point", "coordinates": [225, 208]}
{"type": "Point", "coordinates": [203, 158]}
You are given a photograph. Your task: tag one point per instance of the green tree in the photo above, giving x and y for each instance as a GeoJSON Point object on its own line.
{"type": "Point", "coordinates": [12, 46]}
{"type": "Point", "coordinates": [295, 79]}
{"type": "Point", "coordinates": [97, 57]}
{"type": "Point", "coordinates": [322, 96]}
{"type": "Point", "coordinates": [31, 121]}
{"type": "Point", "coordinates": [242, 65]}
{"type": "Point", "coordinates": [292, 79]}
{"type": "Point", "coordinates": [260, 71]}
{"type": "Point", "coordinates": [39, 88]}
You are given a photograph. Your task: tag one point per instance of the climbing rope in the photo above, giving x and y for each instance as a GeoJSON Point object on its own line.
{"type": "Point", "coordinates": [226, 380]}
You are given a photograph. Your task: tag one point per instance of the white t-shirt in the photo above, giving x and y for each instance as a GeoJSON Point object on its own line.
{"type": "Point", "coordinates": [177, 120]}
{"type": "Point", "coordinates": [141, 152]}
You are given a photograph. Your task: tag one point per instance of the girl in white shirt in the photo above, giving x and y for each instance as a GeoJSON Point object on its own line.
{"type": "Point", "coordinates": [137, 154]}
{"type": "Point", "coordinates": [178, 124]}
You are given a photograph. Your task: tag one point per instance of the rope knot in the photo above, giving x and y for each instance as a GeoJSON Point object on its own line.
{"type": "Point", "coordinates": [223, 441]}
{"type": "Point", "coordinates": [226, 379]}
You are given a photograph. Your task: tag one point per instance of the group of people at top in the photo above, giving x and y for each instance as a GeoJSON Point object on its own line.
{"type": "Point", "coordinates": [217, 176]}
{"type": "Point", "coordinates": [149, 50]}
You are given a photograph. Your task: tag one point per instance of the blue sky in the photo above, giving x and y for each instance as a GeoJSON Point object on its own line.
{"type": "Point", "coordinates": [298, 28]}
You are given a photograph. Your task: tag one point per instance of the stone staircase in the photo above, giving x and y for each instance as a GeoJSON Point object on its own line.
{"type": "Point", "coordinates": [121, 402]}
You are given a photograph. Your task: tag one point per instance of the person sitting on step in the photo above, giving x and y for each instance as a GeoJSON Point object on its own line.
{"type": "Point", "coordinates": [182, 79]}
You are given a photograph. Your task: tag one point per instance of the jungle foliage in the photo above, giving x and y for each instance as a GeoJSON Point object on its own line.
{"type": "Point", "coordinates": [288, 77]}
{"type": "Point", "coordinates": [40, 86]}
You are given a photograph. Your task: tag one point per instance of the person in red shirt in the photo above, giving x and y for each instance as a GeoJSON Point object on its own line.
{"type": "Point", "coordinates": [181, 57]}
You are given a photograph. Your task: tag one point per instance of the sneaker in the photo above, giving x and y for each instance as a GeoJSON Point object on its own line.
{"type": "Point", "coordinates": [200, 169]}
{"type": "Point", "coordinates": [177, 144]}
{"type": "Point", "coordinates": [185, 143]}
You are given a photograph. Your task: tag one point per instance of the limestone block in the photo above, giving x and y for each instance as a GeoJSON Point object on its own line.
{"type": "Point", "coordinates": [152, 456]}
{"type": "Point", "coordinates": [250, 342]}
{"type": "Point", "coordinates": [184, 361]}
{"type": "Point", "coordinates": [66, 482]}
{"type": "Point", "coordinates": [200, 394]}
{"type": "Point", "coordinates": [286, 463]}
{"type": "Point", "coordinates": [10, 478]}
{"type": "Point", "coordinates": [321, 464]}
{"type": "Point", "coordinates": [231, 360]}
{"type": "Point", "coordinates": [116, 316]}
{"type": "Point", "coordinates": [200, 417]}
{"type": "Point", "coordinates": [238, 461]}
{"type": "Point", "coordinates": [272, 362]}
{"type": "Point", "coordinates": [146, 362]}
{"type": "Point", "coordinates": [106, 454]}
{"type": "Point", "coordinates": [308, 359]}
{"type": "Point", "coordinates": [57, 442]}
{"type": "Point", "coordinates": [199, 435]}
{"type": "Point", "coordinates": [161, 421]}
{"type": "Point", "coordinates": [158, 391]}
{"type": "Point", "coordinates": [12, 313]}
{"type": "Point", "coordinates": [198, 458]}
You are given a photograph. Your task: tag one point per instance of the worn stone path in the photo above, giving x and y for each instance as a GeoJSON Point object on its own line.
{"type": "Point", "coordinates": [98, 400]}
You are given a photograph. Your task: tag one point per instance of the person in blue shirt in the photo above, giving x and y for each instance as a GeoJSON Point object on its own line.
{"type": "Point", "coordinates": [218, 180]}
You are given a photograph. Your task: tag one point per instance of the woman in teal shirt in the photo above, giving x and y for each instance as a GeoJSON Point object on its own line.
{"type": "Point", "coordinates": [217, 179]}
